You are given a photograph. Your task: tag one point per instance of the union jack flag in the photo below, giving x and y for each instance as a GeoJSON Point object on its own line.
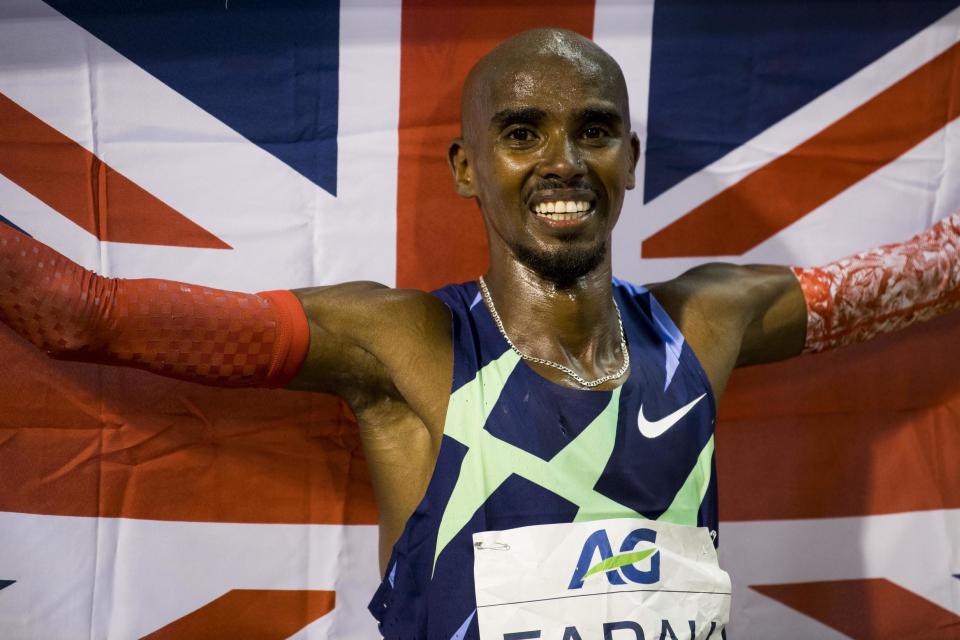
{"type": "Point", "coordinates": [254, 145]}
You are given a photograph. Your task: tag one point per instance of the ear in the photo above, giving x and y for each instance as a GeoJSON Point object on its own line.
{"type": "Point", "coordinates": [460, 167]}
{"type": "Point", "coordinates": [635, 157]}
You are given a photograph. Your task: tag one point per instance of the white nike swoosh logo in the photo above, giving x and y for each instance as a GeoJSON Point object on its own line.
{"type": "Point", "coordinates": [659, 427]}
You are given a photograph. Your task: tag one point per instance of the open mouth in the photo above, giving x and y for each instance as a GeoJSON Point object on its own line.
{"type": "Point", "coordinates": [563, 211]}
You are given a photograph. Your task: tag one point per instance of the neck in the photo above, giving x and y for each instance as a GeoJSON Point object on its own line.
{"type": "Point", "coordinates": [574, 325]}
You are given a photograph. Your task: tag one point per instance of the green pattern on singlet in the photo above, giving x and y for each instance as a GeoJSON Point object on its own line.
{"type": "Point", "coordinates": [571, 474]}
{"type": "Point", "coordinates": [686, 504]}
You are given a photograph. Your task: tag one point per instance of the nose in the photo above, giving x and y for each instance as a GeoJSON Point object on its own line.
{"type": "Point", "coordinates": [561, 159]}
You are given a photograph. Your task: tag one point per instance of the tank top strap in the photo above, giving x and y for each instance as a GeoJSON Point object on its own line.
{"type": "Point", "coordinates": [476, 339]}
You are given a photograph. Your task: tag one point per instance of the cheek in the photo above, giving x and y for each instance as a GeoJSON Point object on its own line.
{"type": "Point", "coordinates": [618, 175]}
{"type": "Point", "coordinates": [504, 177]}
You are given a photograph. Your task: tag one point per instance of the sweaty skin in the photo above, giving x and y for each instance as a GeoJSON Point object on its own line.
{"type": "Point", "coordinates": [545, 118]}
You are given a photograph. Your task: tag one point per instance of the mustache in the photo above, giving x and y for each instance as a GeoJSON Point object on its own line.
{"type": "Point", "coordinates": [555, 183]}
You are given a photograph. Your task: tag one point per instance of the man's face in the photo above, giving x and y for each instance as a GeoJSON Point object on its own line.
{"type": "Point", "coordinates": [548, 153]}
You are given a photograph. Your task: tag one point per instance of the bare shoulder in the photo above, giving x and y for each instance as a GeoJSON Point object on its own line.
{"type": "Point", "coordinates": [736, 315]}
{"type": "Point", "coordinates": [369, 341]}
{"type": "Point", "coordinates": [371, 314]}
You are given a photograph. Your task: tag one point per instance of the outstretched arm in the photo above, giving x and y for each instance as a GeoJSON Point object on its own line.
{"type": "Point", "coordinates": [174, 329]}
{"type": "Point", "coordinates": [742, 315]}
{"type": "Point", "coordinates": [353, 339]}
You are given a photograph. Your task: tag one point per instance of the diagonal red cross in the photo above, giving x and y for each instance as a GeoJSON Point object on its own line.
{"type": "Point", "coordinates": [85, 190]}
{"type": "Point", "coordinates": [250, 613]}
{"type": "Point", "coordinates": [874, 608]}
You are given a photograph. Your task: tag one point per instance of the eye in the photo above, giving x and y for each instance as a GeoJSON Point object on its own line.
{"type": "Point", "coordinates": [595, 133]}
{"type": "Point", "coordinates": [520, 135]}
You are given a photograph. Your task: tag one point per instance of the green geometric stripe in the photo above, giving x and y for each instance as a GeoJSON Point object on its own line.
{"type": "Point", "coordinates": [686, 504]}
{"type": "Point", "coordinates": [467, 413]}
{"type": "Point", "coordinates": [483, 391]}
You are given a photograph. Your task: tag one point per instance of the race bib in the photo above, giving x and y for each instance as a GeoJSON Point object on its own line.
{"type": "Point", "coordinates": [620, 579]}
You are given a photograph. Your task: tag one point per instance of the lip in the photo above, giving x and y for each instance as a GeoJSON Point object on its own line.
{"type": "Point", "coordinates": [565, 224]}
{"type": "Point", "coordinates": [548, 195]}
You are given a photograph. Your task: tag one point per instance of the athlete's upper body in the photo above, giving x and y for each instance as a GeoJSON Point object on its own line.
{"type": "Point", "coordinates": [550, 479]}
{"type": "Point", "coordinates": [545, 120]}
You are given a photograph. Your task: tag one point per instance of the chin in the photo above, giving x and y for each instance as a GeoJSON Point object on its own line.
{"type": "Point", "coordinates": [565, 265]}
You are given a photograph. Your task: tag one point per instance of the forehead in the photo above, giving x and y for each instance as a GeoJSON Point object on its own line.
{"type": "Point", "coordinates": [552, 84]}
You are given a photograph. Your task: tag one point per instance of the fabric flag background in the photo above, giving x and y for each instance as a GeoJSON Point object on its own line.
{"type": "Point", "coordinates": [260, 145]}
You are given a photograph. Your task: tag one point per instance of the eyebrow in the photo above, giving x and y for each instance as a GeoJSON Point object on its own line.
{"type": "Point", "coordinates": [606, 116]}
{"type": "Point", "coordinates": [529, 115]}
{"type": "Point", "coordinates": [533, 115]}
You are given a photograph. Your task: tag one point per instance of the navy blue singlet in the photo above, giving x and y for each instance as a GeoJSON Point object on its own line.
{"type": "Point", "coordinates": [500, 466]}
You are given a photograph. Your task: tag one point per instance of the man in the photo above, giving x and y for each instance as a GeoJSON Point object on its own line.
{"type": "Point", "coordinates": [542, 402]}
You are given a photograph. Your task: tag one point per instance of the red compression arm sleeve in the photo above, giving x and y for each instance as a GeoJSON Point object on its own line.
{"type": "Point", "coordinates": [179, 330]}
{"type": "Point", "coordinates": [887, 288]}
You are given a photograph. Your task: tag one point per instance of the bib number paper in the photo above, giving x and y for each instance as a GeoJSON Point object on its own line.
{"type": "Point", "coordinates": [621, 579]}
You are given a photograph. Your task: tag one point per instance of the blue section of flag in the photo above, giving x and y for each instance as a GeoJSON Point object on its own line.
{"type": "Point", "coordinates": [269, 69]}
{"type": "Point", "coordinates": [10, 224]}
{"type": "Point", "coordinates": [5, 583]}
{"type": "Point", "coordinates": [723, 72]}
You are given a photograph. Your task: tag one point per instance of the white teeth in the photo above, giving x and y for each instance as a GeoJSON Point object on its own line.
{"type": "Point", "coordinates": [560, 209]}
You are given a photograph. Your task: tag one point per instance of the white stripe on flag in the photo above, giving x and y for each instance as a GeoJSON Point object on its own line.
{"type": "Point", "coordinates": [918, 551]}
{"type": "Point", "coordinates": [119, 578]}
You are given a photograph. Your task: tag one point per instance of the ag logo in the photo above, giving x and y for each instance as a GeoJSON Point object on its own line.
{"type": "Point", "coordinates": [614, 565]}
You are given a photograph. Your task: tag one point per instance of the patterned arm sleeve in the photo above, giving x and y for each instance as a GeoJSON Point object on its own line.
{"type": "Point", "coordinates": [199, 334]}
{"type": "Point", "coordinates": [884, 289]}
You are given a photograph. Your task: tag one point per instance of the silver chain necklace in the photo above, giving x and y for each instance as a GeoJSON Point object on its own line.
{"type": "Point", "coordinates": [556, 365]}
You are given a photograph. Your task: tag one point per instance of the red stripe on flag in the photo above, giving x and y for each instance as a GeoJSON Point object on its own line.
{"type": "Point", "coordinates": [865, 430]}
{"type": "Point", "coordinates": [873, 608]}
{"type": "Point", "coordinates": [250, 613]}
{"type": "Point", "coordinates": [777, 195]}
{"type": "Point", "coordinates": [440, 236]}
{"type": "Point", "coordinates": [84, 440]}
{"type": "Point", "coordinates": [78, 185]}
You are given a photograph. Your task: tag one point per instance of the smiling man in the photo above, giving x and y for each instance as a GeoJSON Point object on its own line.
{"type": "Point", "coordinates": [540, 440]}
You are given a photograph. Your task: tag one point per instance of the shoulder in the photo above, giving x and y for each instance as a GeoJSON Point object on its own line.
{"type": "Point", "coordinates": [734, 314]}
{"type": "Point", "coordinates": [361, 310]}
{"type": "Point", "coordinates": [723, 292]}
